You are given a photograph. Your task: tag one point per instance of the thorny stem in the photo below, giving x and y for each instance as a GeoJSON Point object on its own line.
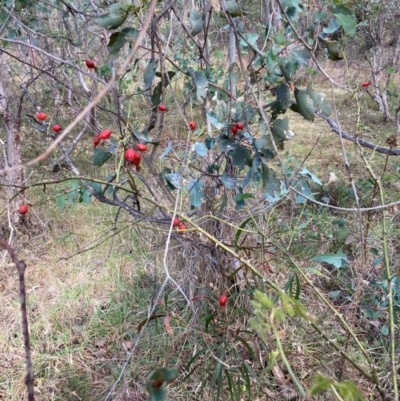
{"type": "Point", "coordinates": [389, 278]}
{"type": "Point", "coordinates": [21, 267]}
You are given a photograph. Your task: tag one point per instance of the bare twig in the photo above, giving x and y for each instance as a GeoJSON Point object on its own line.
{"type": "Point", "coordinates": [21, 266]}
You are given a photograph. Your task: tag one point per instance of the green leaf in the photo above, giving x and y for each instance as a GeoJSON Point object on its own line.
{"type": "Point", "coordinates": [304, 189]}
{"type": "Point", "coordinates": [241, 156]}
{"type": "Point", "coordinates": [212, 118]}
{"type": "Point", "coordinates": [304, 171]}
{"type": "Point", "coordinates": [149, 74]}
{"type": "Point", "coordinates": [100, 157]}
{"type": "Point", "coordinates": [280, 105]}
{"type": "Point", "coordinates": [114, 18]}
{"type": "Point", "coordinates": [200, 148]}
{"type": "Point", "coordinates": [174, 179]}
{"type": "Point", "coordinates": [280, 39]}
{"type": "Point", "coordinates": [292, 4]}
{"type": "Point", "coordinates": [86, 197]}
{"type": "Point", "coordinates": [240, 230]}
{"type": "Point", "coordinates": [96, 186]}
{"type": "Point", "coordinates": [320, 384]}
{"type": "Point", "coordinates": [281, 132]}
{"type": "Point", "coordinates": [196, 193]}
{"type": "Point", "coordinates": [271, 185]}
{"type": "Point", "coordinates": [304, 104]}
{"type": "Point", "coordinates": [144, 137]}
{"type": "Point", "coordinates": [196, 20]}
{"type": "Point", "coordinates": [233, 8]}
{"type": "Point", "coordinates": [156, 96]}
{"type": "Point", "coordinates": [338, 259]}
{"type": "Point", "coordinates": [61, 201]}
{"type": "Point", "coordinates": [155, 384]}
{"type": "Point", "coordinates": [118, 39]}
{"type": "Point", "coordinates": [349, 391]}
{"type": "Point", "coordinates": [201, 83]}
{"type": "Point", "coordinates": [346, 19]}
{"type": "Point", "coordinates": [228, 181]}
{"type": "Point", "coordinates": [251, 38]}
{"type": "Point", "coordinates": [319, 100]}
{"type": "Point", "coordinates": [334, 48]}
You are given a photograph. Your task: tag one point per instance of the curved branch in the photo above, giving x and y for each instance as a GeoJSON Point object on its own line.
{"type": "Point", "coordinates": [335, 128]}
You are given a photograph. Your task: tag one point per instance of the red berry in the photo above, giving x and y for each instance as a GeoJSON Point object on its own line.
{"type": "Point", "coordinates": [239, 125]}
{"type": "Point", "coordinates": [366, 84]}
{"type": "Point", "coordinates": [96, 141]}
{"type": "Point", "coordinates": [41, 116]}
{"type": "Point", "coordinates": [192, 125]}
{"type": "Point", "coordinates": [23, 209]}
{"type": "Point", "coordinates": [222, 300]}
{"type": "Point", "coordinates": [176, 222]}
{"type": "Point", "coordinates": [104, 134]}
{"type": "Point", "coordinates": [162, 107]}
{"type": "Point", "coordinates": [56, 128]}
{"type": "Point", "coordinates": [132, 156]}
{"type": "Point", "coordinates": [234, 129]}
{"type": "Point", "coordinates": [141, 147]}
{"type": "Point", "coordinates": [90, 64]}
{"type": "Point", "coordinates": [181, 228]}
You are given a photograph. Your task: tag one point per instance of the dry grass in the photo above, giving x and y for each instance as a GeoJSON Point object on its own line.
{"type": "Point", "coordinates": [84, 311]}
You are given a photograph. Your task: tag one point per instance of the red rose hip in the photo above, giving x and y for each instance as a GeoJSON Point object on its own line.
{"type": "Point", "coordinates": [239, 125]}
{"type": "Point", "coordinates": [41, 116]}
{"type": "Point", "coordinates": [132, 156]}
{"type": "Point", "coordinates": [141, 147]}
{"type": "Point", "coordinates": [23, 209]}
{"type": "Point", "coordinates": [162, 107]}
{"type": "Point", "coordinates": [90, 64]}
{"type": "Point", "coordinates": [192, 125]}
{"type": "Point", "coordinates": [104, 134]}
{"type": "Point", "coordinates": [222, 300]}
{"type": "Point", "coordinates": [56, 128]}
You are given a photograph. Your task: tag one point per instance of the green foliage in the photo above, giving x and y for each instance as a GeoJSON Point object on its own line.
{"type": "Point", "coordinates": [156, 381]}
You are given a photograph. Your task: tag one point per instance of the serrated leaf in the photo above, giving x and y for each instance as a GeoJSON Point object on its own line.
{"type": "Point", "coordinates": [271, 185]}
{"type": "Point", "coordinates": [349, 391]}
{"type": "Point", "coordinates": [320, 383]}
{"type": "Point", "coordinates": [114, 18]}
{"type": "Point", "coordinates": [86, 197]}
{"type": "Point", "coordinates": [305, 189]}
{"type": "Point", "coordinates": [144, 137]}
{"type": "Point", "coordinates": [157, 92]}
{"type": "Point", "coordinates": [233, 8]}
{"type": "Point", "coordinates": [241, 156]}
{"type": "Point", "coordinates": [61, 201]}
{"type": "Point", "coordinates": [174, 179]}
{"type": "Point", "coordinates": [332, 27]}
{"type": "Point", "coordinates": [196, 20]}
{"type": "Point", "coordinates": [100, 157]}
{"type": "Point", "coordinates": [281, 103]}
{"type": "Point", "coordinates": [201, 83]}
{"type": "Point", "coordinates": [118, 39]}
{"type": "Point", "coordinates": [338, 259]}
{"type": "Point", "coordinates": [281, 132]}
{"type": "Point", "coordinates": [228, 181]}
{"type": "Point", "coordinates": [304, 171]}
{"type": "Point", "coordinates": [334, 48]}
{"type": "Point", "coordinates": [346, 19]}
{"type": "Point", "coordinates": [319, 100]}
{"type": "Point", "coordinates": [149, 74]}
{"type": "Point", "coordinates": [196, 193]}
{"type": "Point", "coordinates": [200, 148]}
{"type": "Point", "coordinates": [212, 118]}
{"type": "Point", "coordinates": [251, 38]}
{"type": "Point", "coordinates": [305, 104]}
